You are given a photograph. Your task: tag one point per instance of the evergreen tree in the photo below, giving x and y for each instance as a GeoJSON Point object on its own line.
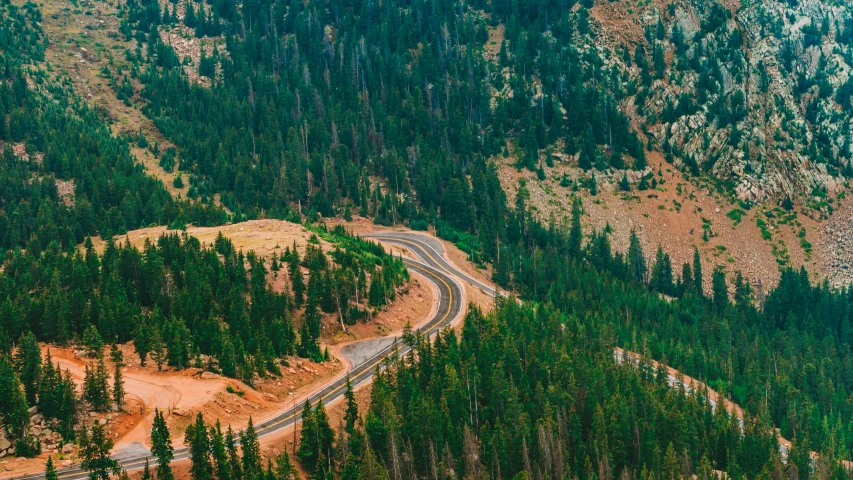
{"type": "Point", "coordinates": [200, 445]}
{"type": "Point", "coordinates": [720, 290]}
{"type": "Point", "coordinates": [28, 360]}
{"type": "Point", "coordinates": [662, 273]}
{"type": "Point", "coordinates": [309, 448]}
{"type": "Point", "coordinates": [96, 387]}
{"type": "Point", "coordinates": [298, 283]}
{"type": "Point", "coordinates": [697, 272]}
{"type": "Point", "coordinates": [50, 470]}
{"type": "Point", "coordinates": [575, 232]}
{"type": "Point", "coordinates": [141, 343]}
{"type": "Point", "coordinates": [221, 464]}
{"type": "Point", "coordinates": [233, 457]}
{"type": "Point", "coordinates": [284, 469]}
{"type": "Point", "coordinates": [118, 388]}
{"type": "Point", "coordinates": [146, 471]}
{"type": "Point", "coordinates": [161, 446]}
{"type": "Point", "coordinates": [95, 449]}
{"type": "Point", "coordinates": [351, 413]}
{"type": "Point", "coordinates": [93, 342]}
{"type": "Point", "coordinates": [624, 185]}
{"type": "Point", "coordinates": [251, 460]}
{"type": "Point", "coordinates": [116, 356]}
{"type": "Point", "coordinates": [636, 260]}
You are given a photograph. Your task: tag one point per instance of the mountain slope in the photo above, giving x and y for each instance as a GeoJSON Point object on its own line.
{"type": "Point", "coordinates": [757, 94]}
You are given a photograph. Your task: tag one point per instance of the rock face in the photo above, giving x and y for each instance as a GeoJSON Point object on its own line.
{"type": "Point", "coordinates": [758, 95]}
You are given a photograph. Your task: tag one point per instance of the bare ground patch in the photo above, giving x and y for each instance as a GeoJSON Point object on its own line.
{"type": "Point", "coordinates": [674, 215]}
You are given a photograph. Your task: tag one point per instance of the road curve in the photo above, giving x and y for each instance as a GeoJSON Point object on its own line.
{"type": "Point", "coordinates": [450, 305]}
{"type": "Point", "coordinates": [431, 252]}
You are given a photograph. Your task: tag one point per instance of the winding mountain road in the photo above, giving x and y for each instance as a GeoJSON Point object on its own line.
{"type": "Point", "coordinates": [365, 356]}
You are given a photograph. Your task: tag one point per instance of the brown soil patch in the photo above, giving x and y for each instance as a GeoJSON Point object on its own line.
{"type": "Point", "coordinates": [261, 236]}
{"type": "Point", "coordinates": [182, 394]}
{"type": "Point", "coordinates": [672, 215]}
{"type": "Point", "coordinates": [65, 189]}
{"type": "Point", "coordinates": [415, 303]}
{"type": "Point", "coordinates": [618, 23]}
{"type": "Point", "coordinates": [492, 48]}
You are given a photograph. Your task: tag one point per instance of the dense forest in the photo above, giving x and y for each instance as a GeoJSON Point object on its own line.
{"type": "Point", "coordinates": [385, 106]}
{"type": "Point", "coordinates": [183, 304]}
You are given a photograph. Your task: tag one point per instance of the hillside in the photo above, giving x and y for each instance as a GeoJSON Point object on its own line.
{"type": "Point", "coordinates": [758, 94]}
{"type": "Point", "coordinates": [182, 184]}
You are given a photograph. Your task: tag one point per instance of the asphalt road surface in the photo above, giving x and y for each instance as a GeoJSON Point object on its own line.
{"type": "Point", "coordinates": [430, 251]}
{"type": "Point", "coordinates": [365, 356]}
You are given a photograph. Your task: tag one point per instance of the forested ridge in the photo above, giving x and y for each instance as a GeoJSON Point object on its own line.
{"type": "Point", "coordinates": [182, 304]}
{"type": "Point", "coordinates": [318, 103]}
{"type": "Point", "coordinates": [67, 140]}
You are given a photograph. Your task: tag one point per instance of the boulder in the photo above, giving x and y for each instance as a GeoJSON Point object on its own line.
{"type": "Point", "coordinates": [33, 410]}
{"type": "Point", "coordinates": [102, 421]}
{"type": "Point", "coordinates": [67, 448]}
{"type": "Point", "coordinates": [4, 443]}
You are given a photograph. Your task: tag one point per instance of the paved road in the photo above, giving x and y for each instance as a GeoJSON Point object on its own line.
{"type": "Point", "coordinates": [430, 251]}
{"type": "Point", "coordinates": [365, 359]}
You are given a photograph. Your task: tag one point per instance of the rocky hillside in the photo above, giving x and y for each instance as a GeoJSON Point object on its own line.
{"type": "Point", "coordinates": [757, 94]}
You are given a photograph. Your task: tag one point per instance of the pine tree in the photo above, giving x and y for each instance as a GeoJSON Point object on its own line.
{"type": "Point", "coordinates": [158, 348]}
{"type": "Point", "coordinates": [50, 470]}
{"type": "Point", "coordinates": [116, 356]}
{"type": "Point", "coordinates": [93, 342]}
{"type": "Point", "coordinates": [251, 461]}
{"type": "Point", "coordinates": [351, 413]}
{"type": "Point", "coordinates": [720, 290]}
{"type": "Point", "coordinates": [96, 387]}
{"type": "Point", "coordinates": [575, 231]}
{"type": "Point", "coordinates": [161, 446]}
{"type": "Point", "coordinates": [624, 185]}
{"type": "Point", "coordinates": [697, 272]}
{"type": "Point", "coordinates": [297, 282]}
{"type": "Point", "coordinates": [325, 435]}
{"type": "Point", "coordinates": [233, 457]}
{"type": "Point", "coordinates": [662, 273]}
{"type": "Point", "coordinates": [218, 451]}
{"type": "Point", "coordinates": [199, 441]}
{"type": "Point", "coordinates": [141, 342]}
{"type": "Point", "coordinates": [636, 259]}
{"type": "Point", "coordinates": [309, 448]}
{"type": "Point", "coordinates": [118, 387]}
{"type": "Point", "coordinates": [28, 359]}
{"type": "Point", "coordinates": [284, 469]}
{"type": "Point", "coordinates": [377, 290]}
{"type": "Point", "coordinates": [95, 449]}
{"type": "Point", "coordinates": [146, 471]}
